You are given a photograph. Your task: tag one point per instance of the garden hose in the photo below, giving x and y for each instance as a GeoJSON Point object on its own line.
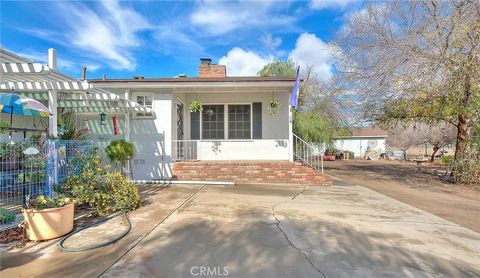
{"type": "Point", "coordinates": [67, 249]}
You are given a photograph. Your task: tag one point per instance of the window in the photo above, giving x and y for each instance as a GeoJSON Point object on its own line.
{"type": "Point", "coordinates": [213, 122]}
{"type": "Point", "coordinates": [146, 101]}
{"type": "Point", "coordinates": [239, 122]}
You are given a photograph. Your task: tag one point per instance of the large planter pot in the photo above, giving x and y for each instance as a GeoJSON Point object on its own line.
{"type": "Point", "coordinates": [329, 157]}
{"type": "Point", "coordinates": [48, 223]}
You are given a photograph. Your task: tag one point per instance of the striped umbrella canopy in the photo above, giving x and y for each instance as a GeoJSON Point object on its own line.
{"type": "Point", "coordinates": [14, 104]}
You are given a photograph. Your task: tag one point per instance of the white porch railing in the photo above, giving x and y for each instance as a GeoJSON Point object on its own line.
{"type": "Point", "coordinates": [264, 149]}
{"type": "Point", "coordinates": [307, 153]}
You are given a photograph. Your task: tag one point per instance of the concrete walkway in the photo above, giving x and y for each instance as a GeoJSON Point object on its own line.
{"type": "Point", "coordinates": [269, 231]}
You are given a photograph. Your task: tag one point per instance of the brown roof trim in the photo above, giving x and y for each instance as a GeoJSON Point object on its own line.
{"type": "Point", "coordinates": [196, 79]}
{"type": "Point", "coordinates": [369, 131]}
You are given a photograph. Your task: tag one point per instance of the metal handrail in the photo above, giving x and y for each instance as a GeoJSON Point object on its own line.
{"type": "Point", "coordinates": [308, 154]}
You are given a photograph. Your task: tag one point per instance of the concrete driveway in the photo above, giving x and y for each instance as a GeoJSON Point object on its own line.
{"type": "Point", "coordinates": [274, 231]}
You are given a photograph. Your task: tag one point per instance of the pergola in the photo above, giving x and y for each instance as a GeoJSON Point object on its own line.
{"type": "Point", "coordinates": [45, 83]}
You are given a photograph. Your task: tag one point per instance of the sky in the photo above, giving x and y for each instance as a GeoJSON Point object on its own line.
{"type": "Point", "coordinates": [166, 38]}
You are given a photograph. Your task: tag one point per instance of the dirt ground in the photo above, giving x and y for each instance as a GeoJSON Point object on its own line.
{"type": "Point", "coordinates": [417, 185]}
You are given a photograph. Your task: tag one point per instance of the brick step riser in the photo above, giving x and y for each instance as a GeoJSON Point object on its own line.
{"type": "Point", "coordinates": [282, 172]}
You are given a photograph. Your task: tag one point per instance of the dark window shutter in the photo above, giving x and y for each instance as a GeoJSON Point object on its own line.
{"type": "Point", "coordinates": [257, 120]}
{"type": "Point", "coordinates": [195, 125]}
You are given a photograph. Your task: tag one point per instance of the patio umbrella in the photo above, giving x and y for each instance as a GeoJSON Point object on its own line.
{"type": "Point", "coordinates": [14, 104]}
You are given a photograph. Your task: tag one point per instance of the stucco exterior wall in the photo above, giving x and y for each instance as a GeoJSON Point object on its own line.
{"type": "Point", "coordinates": [243, 150]}
{"type": "Point", "coordinates": [152, 139]}
{"type": "Point", "coordinates": [273, 126]}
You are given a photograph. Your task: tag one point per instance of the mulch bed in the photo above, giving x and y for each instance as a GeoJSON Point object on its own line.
{"type": "Point", "coordinates": [11, 235]}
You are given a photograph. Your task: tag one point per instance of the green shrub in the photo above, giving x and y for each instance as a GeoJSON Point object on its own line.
{"type": "Point", "coordinates": [467, 171]}
{"type": "Point", "coordinates": [45, 202]}
{"type": "Point", "coordinates": [6, 217]}
{"type": "Point", "coordinates": [103, 190]}
{"type": "Point", "coordinates": [447, 159]}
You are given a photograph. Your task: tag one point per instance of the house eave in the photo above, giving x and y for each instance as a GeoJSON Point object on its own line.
{"type": "Point", "coordinates": [236, 84]}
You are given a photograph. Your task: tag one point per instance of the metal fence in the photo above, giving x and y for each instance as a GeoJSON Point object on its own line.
{"type": "Point", "coordinates": [32, 167]}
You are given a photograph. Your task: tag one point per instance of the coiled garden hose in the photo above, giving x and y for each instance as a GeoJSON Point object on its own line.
{"type": "Point", "coordinates": [67, 249]}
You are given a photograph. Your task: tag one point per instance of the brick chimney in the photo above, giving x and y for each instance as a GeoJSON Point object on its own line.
{"type": "Point", "coordinates": [207, 69]}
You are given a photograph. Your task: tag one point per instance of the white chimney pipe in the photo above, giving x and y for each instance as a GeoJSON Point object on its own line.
{"type": "Point", "coordinates": [52, 58]}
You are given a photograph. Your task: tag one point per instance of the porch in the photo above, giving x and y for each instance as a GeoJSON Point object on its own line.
{"type": "Point", "coordinates": [261, 149]}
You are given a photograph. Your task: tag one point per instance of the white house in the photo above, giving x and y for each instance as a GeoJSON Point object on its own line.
{"type": "Point", "coordinates": [361, 139]}
{"type": "Point", "coordinates": [235, 124]}
{"type": "Point", "coordinates": [236, 137]}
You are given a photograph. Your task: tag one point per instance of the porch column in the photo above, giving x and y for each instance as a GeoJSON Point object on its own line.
{"type": "Point", "coordinates": [52, 95]}
{"type": "Point", "coordinates": [127, 117]}
{"type": "Point", "coordinates": [52, 120]}
{"type": "Point", "coordinates": [290, 133]}
{"type": "Point", "coordinates": [127, 129]}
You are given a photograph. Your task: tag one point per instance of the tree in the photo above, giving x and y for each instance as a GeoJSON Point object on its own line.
{"type": "Point", "coordinates": [416, 61]}
{"type": "Point", "coordinates": [437, 136]}
{"type": "Point", "coordinates": [316, 118]}
{"type": "Point", "coordinates": [403, 138]}
{"type": "Point", "coordinates": [279, 68]}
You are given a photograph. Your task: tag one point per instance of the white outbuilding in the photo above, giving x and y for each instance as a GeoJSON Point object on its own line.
{"type": "Point", "coordinates": [363, 139]}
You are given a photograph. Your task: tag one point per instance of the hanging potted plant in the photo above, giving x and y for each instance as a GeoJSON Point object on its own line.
{"type": "Point", "coordinates": [120, 151]}
{"type": "Point", "coordinates": [196, 106]}
{"type": "Point", "coordinates": [48, 218]}
{"type": "Point", "coordinates": [274, 106]}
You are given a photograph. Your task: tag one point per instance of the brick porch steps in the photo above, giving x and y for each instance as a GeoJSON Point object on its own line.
{"type": "Point", "coordinates": [248, 172]}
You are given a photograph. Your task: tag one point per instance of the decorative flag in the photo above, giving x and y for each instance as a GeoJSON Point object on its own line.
{"type": "Point", "coordinates": [295, 91]}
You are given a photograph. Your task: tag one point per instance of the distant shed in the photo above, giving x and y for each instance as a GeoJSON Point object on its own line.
{"type": "Point", "coordinates": [361, 139]}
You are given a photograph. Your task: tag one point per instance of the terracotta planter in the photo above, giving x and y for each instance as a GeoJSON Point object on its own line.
{"type": "Point", "coordinates": [329, 157]}
{"type": "Point", "coordinates": [48, 223]}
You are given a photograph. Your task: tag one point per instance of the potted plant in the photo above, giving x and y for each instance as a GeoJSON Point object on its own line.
{"type": "Point", "coordinates": [196, 106]}
{"type": "Point", "coordinates": [329, 154]}
{"type": "Point", "coordinates": [6, 217]}
{"type": "Point", "coordinates": [48, 218]}
{"type": "Point", "coordinates": [273, 106]}
{"type": "Point", "coordinates": [10, 156]}
{"type": "Point", "coordinates": [4, 126]}
{"type": "Point", "coordinates": [120, 151]}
